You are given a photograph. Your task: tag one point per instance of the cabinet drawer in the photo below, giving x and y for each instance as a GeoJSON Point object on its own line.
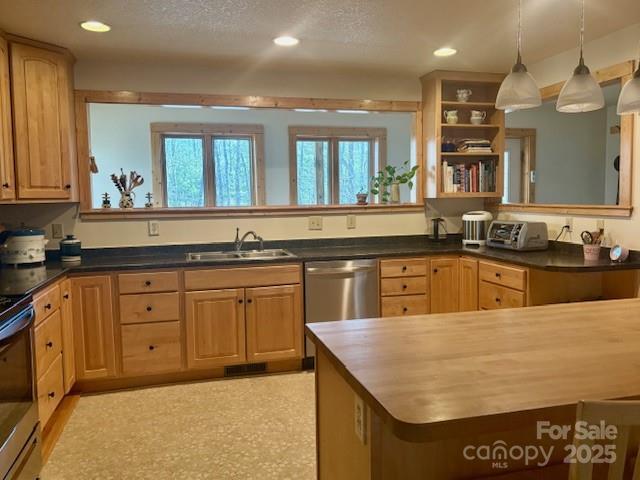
{"type": "Point", "coordinates": [151, 348]}
{"type": "Point", "coordinates": [511, 277]}
{"type": "Point", "coordinates": [493, 296]}
{"type": "Point", "coordinates": [46, 302]}
{"type": "Point", "coordinates": [403, 267]}
{"type": "Point", "coordinates": [50, 390]}
{"type": "Point", "coordinates": [404, 305]}
{"type": "Point", "coordinates": [153, 307]}
{"type": "Point", "coordinates": [48, 342]}
{"type": "Point", "coordinates": [221, 278]}
{"type": "Point", "coordinates": [148, 282]}
{"type": "Point", "coordinates": [403, 286]}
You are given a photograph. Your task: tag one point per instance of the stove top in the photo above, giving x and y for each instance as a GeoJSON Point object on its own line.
{"type": "Point", "coordinates": [12, 305]}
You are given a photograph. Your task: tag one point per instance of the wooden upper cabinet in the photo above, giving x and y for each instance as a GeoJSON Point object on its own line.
{"type": "Point", "coordinates": [468, 284]}
{"type": "Point", "coordinates": [7, 177]}
{"type": "Point", "coordinates": [94, 327]}
{"type": "Point", "coordinates": [274, 323]}
{"type": "Point", "coordinates": [215, 328]}
{"type": "Point", "coordinates": [444, 285]}
{"type": "Point", "coordinates": [44, 127]}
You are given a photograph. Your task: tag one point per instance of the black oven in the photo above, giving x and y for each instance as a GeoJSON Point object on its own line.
{"type": "Point", "coordinates": [20, 456]}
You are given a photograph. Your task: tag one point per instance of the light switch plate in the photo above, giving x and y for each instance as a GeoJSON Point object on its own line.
{"type": "Point", "coordinates": [57, 231]}
{"type": "Point", "coordinates": [315, 223]}
{"type": "Point", "coordinates": [154, 228]}
{"type": "Point", "coordinates": [351, 221]}
{"type": "Point", "coordinates": [360, 419]}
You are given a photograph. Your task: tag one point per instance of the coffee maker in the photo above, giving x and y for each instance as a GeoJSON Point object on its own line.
{"type": "Point", "coordinates": [438, 229]}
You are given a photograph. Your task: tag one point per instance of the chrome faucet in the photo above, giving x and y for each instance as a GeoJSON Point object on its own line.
{"type": "Point", "coordinates": [239, 241]}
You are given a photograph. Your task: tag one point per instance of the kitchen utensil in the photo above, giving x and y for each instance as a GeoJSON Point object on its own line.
{"type": "Point", "coordinates": [474, 227]}
{"type": "Point", "coordinates": [451, 116]}
{"type": "Point", "coordinates": [586, 237]}
{"type": "Point", "coordinates": [478, 117]}
{"type": "Point", "coordinates": [463, 94]}
{"type": "Point", "coordinates": [23, 246]}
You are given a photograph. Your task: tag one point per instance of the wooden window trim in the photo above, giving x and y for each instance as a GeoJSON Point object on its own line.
{"type": "Point", "coordinates": [621, 72]}
{"type": "Point", "coordinates": [527, 137]}
{"type": "Point", "coordinates": [208, 132]}
{"type": "Point", "coordinates": [376, 136]}
{"type": "Point", "coordinates": [85, 97]}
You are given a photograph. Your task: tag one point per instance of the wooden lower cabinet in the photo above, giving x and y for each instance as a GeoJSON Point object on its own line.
{"type": "Point", "coordinates": [493, 297]}
{"type": "Point", "coordinates": [468, 291]}
{"type": "Point", "coordinates": [150, 348]}
{"type": "Point", "coordinates": [50, 390]}
{"type": "Point", "coordinates": [274, 323]}
{"type": "Point", "coordinates": [215, 326]}
{"type": "Point", "coordinates": [404, 305]}
{"type": "Point", "coordinates": [68, 353]}
{"type": "Point", "coordinates": [93, 322]}
{"type": "Point", "coordinates": [444, 285]}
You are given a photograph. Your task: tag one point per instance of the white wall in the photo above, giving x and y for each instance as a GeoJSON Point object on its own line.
{"type": "Point", "coordinates": [570, 153]}
{"type": "Point", "coordinates": [120, 138]}
{"type": "Point", "coordinates": [615, 48]}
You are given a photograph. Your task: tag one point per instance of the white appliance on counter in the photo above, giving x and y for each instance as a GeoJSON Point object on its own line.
{"type": "Point", "coordinates": [518, 235]}
{"type": "Point", "coordinates": [474, 227]}
{"type": "Point", "coordinates": [23, 246]}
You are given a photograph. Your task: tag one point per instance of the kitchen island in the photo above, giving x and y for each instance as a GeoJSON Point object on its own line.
{"type": "Point", "coordinates": [432, 391]}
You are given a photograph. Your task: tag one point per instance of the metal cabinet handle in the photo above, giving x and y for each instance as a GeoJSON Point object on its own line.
{"type": "Point", "coordinates": [66, 296]}
{"type": "Point", "coordinates": [435, 270]}
{"type": "Point", "coordinates": [152, 347]}
{"type": "Point", "coordinates": [249, 300]}
{"type": "Point", "coordinates": [240, 301]}
{"type": "Point", "coordinates": [498, 300]}
{"type": "Point", "coordinates": [405, 309]}
{"type": "Point", "coordinates": [147, 283]}
{"type": "Point", "coordinates": [498, 274]}
{"type": "Point", "coordinates": [67, 187]}
{"type": "Point", "coordinates": [404, 268]}
{"type": "Point", "coordinates": [5, 185]}
{"type": "Point", "coordinates": [47, 306]}
{"type": "Point", "coordinates": [149, 308]}
{"type": "Point", "coordinates": [51, 394]}
{"type": "Point", "coordinates": [49, 344]}
{"type": "Point", "coordinates": [404, 287]}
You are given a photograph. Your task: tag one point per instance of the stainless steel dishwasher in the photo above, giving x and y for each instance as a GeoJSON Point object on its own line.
{"type": "Point", "coordinates": [340, 290]}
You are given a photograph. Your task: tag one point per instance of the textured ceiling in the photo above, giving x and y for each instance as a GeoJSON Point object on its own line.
{"type": "Point", "coordinates": [393, 35]}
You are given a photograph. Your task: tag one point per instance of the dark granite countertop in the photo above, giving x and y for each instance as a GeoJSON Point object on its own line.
{"type": "Point", "coordinates": [559, 257]}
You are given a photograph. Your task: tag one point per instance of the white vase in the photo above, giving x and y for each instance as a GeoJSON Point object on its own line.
{"type": "Point", "coordinates": [126, 200]}
{"type": "Point", "coordinates": [395, 192]}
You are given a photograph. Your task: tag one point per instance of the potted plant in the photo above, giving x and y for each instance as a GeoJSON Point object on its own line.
{"type": "Point", "coordinates": [387, 181]}
{"type": "Point", "coordinates": [361, 196]}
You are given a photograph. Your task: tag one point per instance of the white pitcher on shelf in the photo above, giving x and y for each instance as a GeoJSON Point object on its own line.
{"type": "Point", "coordinates": [477, 117]}
{"type": "Point", "coordinates": [451, 116]}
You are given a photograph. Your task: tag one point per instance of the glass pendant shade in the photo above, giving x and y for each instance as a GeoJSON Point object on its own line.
{"type": "Point", "coordinates": [518, 91]}
{"type": "Point", "coordinates": [629, 100]}
{"type": "Point", "coordinates": [581, 93]}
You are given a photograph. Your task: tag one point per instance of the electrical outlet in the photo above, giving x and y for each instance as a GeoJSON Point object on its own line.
{"type": "Point", "coordinates": [360, 419]}
{"type": "Point", "coordinates": [56, 230]}
{"type": "Point", "coordinates": [351, 221]}
{"type": "Point", "coordinates": [154, 228]}
{"type": "Point", "coordinates": [315, 223]}
{"type": "Point", "coordinates": [569, 221]}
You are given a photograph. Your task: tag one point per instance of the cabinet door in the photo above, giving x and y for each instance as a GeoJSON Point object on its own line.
{"type": "Point", "coordinates": [444, 285]}
{"type": "Point", "coordinates": [68, 355]}
{"type": "Point", "coordinates": [274, 323]}
{"type": "Point", "coordinates": [44, 130]}
{"type": "Point", "coordinates": [468, 284]}
{"type": "Point", "coordinates": [215, 328]}
{"type": "Point", "coordinates": [93, 327]}
{"type": "Point", "coordinates": [7, 178]}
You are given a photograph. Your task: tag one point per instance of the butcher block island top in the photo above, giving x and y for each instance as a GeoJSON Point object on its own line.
{"type": "Point", "coordinates": [429, 376]}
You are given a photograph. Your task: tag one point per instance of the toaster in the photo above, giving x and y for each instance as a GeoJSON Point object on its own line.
{"type": "Point", "coordinates": [518, 235]}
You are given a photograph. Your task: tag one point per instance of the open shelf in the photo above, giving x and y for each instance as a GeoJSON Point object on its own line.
{"type": "Point", "coordinates": [470, 195]}
{"type": "Point", "coordinates": [469, 125]}
{"type": "Point", "coordinates": [447, 103]}
{"type": "Point", "coordinates": [469, 154]}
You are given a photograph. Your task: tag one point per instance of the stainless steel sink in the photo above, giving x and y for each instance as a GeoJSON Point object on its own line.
{"type": "Point", "coordinates": [239, 256]}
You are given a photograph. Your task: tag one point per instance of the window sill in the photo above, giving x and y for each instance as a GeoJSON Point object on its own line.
{"type": "Point", "coordinates": [267, 211]}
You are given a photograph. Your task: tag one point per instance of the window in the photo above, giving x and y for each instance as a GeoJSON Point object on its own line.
{"type": "Point", "coordinates": [206, 165]}
{"type": "Point", "coordinates": [331, 165]}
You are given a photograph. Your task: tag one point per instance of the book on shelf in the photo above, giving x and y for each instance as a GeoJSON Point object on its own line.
{"type": "Point", "coordinates": [469, 178]}
{"type": "Point", "coordinates": [474, 145]}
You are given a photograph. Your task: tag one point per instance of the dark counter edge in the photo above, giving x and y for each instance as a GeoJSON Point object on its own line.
{"type": "Point", "coordinates": [560, 257]}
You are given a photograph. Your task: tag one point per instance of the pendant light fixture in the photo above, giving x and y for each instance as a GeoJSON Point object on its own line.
{"type": "Point", "coordinates": [629, 100]}
{"type": "Point", "coordinates": [518, 90]}
{"type": "Point", "coordinates": [582, 92]}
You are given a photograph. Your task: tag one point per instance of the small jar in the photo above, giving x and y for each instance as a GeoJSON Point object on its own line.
{"type": "Point", "coordinates": [70, 250]}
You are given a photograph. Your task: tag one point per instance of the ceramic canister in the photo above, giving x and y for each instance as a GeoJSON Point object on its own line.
{"type": "Point", "coordinates": [70, 249]}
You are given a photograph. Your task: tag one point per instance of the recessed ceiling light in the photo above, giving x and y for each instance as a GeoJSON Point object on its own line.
{"type": "Point", "coordinates": [286, 41]}
{"type": "Point", "coordinates": [357, 112]}
{"type": "Point", "coordinates": [445, 52]}
{"type": "Point", "coordinates": [181, 106]}
{"type": "Point", "coordinates": [229, 107]}
{"type": "Point", "coordinates": [309, 110]}
{"type": "Point", "coordinates": [95, 26]}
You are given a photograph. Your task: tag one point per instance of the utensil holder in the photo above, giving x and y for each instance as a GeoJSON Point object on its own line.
{"type": "Point", "coordinates": [591, 252]}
